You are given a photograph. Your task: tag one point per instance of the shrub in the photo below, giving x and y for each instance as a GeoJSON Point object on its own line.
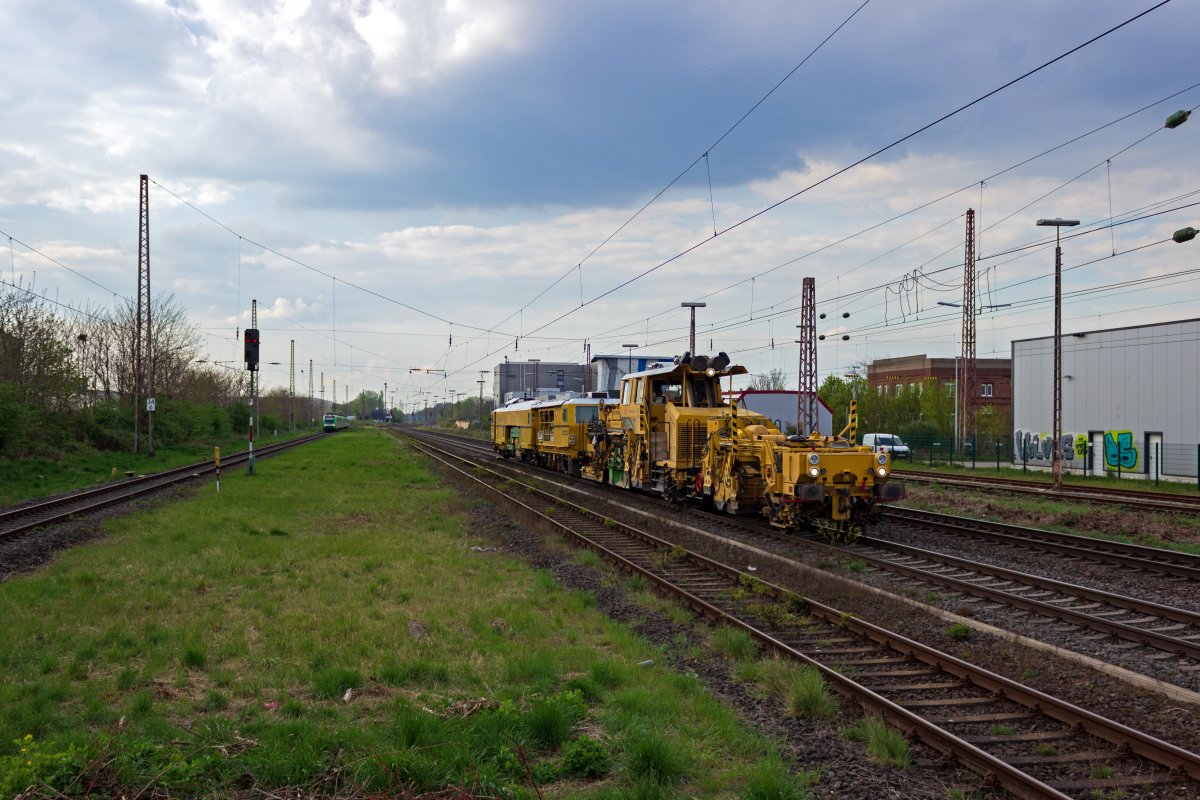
{"type": "Point", "coordinates": [38, 764]}
{"type": "Point", "coordinates": [586, 758]}
{"type": "Point", "coordinates": [549, 723]}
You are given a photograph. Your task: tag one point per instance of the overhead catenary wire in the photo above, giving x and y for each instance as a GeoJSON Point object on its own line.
{"type": "Point", "coordinates": [691, 166]}
{"type": "Point", "coordinates": [927, 204]}
{"type": "Point", "coordinates": [852, 165]}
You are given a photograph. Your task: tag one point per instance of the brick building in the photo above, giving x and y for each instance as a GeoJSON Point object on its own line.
{"type": "Point", "coordinates": [993, 376]}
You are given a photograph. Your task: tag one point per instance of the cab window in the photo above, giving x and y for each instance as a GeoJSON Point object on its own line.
{"type": "Point", "coordinates": [702, 392]}
{"type": "Point", "coordinates": [640, 395]}
{"type": "Point", "coordinates": [627, 392]}
{"type": "Point", "coordinates": [587, 413]}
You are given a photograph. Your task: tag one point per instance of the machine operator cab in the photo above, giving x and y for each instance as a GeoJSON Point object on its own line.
{"type": "Point", "coordinates": [664, 417]}
{"type": "Point", "coordinates": [689, 383]}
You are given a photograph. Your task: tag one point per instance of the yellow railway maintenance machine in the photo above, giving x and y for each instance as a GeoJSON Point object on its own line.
{"type": "Point", "coordinates": [672, 434]}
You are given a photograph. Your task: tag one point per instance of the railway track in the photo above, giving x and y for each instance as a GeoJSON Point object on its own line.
{"type": "Point", "coordinates": [1029, 743]}
{"type": "Point", "coordinates": [1130, 498]}
{"type": "Point", "coordinates": [20, 520]}
{"type": "Point", "coordinates": [1157, 639]}
{"type": "Point", "coordinates": [1130, 556]}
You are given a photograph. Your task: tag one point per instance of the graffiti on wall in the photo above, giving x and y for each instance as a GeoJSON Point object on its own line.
{"type": "Point", "coordinates": [1120, 448]}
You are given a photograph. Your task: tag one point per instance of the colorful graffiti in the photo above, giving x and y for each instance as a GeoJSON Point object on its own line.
{"type": "Point", "coordinates": [1081, 446]}
{"type": "Point", "coordinates": [1120, 448]}
{"type": "Point", "coordinates": [1120, 451]}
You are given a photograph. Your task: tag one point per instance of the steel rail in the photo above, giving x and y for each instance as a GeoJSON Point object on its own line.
{"type": "Point", "coordinates": [1003, 773]}
{"type": "Point", "coordinates": [959, 584]}
{"type": "Point", "coordinates": [49, 512]}
{"type": "Point", "coordinates": [1151, 559]}
{"type": "Point", "coordinates": [1134, 498]}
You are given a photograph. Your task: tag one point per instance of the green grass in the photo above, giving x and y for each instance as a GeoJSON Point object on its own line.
{"type": "Point", "coordinates": [884, 743]}
{"type": "Point", "coordinates": [24, 479]}
{"type": "Point", "coordinates": [229, 652]}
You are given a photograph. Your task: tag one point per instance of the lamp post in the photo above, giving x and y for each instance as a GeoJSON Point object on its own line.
{"type": "Point", "coordinates": [629, 363]}
{"type": "Point", "coordinates": [1058, 224]}
{"type": "Point", "coordinates": [692, 334]}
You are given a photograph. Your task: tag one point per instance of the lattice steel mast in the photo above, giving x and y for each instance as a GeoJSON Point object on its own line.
{"type": "Point", "coordinates": [143, 358]}
{"type": "Point", "coordinates": [967, 398]}
{"type": "Point", "coordinates": [806, 396]}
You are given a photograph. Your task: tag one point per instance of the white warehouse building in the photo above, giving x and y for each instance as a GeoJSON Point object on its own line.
{"type": "Point", "coordinates": [1130, 400]}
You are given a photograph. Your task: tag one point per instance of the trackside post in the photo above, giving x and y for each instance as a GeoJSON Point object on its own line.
{"type": "Point", "coordinates": [217, 460]}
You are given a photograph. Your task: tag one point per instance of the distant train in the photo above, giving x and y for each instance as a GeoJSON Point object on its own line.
{"type": "Point", "coordinates": [334, 422]}
{"type": "Point", "coordinates": [671, 433]}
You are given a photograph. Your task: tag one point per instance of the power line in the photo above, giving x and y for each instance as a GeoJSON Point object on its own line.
{"type": "Point", "coordinates": [703, 157]}
{"type": "Point", "coordinates": [851, 166]}
{"type": "Point", "coordinates": [56, 262]}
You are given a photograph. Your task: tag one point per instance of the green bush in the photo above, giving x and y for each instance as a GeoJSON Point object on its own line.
{"type": "Point", "coordinates": [549, 723]}
{"type": "Point", "coordinates": [586, 758]}
{"type": "Point", "coordinates": [38, 764]}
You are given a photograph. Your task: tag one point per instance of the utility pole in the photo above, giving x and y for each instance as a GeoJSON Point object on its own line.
{"type": "Point", "coordinates": [806, 393]}
{"type": "Point", "coordinates": [482, 372]}
{"type": "Point", "coordinates": [143, 359]}
{"type": "Point", "coordinates": [966, 393]}
{"type": "Point", "coordinates": [692, 334]}
{"type": "Point", "coordinates": [292, 385]}
{"type": "Point", "coordinates": [587, 366]}
{"type": "Point", "coordinates": [310, 393]}
{"type": "Point", "coordinates": [252, 356]}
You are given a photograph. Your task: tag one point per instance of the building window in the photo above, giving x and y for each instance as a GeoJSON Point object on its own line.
{"type": "Point", "coordinates": [986, 389]}
{"type": "Point", "coordinates": [899, 386]}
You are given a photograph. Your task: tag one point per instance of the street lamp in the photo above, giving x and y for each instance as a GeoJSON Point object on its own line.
{"type": "Point", "coordinates": [1058, 223]}
{"type": "Point", "coordinates": [692, 335]}
{"type": "Point", "coordinates": [629, 363]}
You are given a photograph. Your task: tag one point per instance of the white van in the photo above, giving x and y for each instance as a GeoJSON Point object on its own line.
{"type": "Point", "coordinates": [888, 443]}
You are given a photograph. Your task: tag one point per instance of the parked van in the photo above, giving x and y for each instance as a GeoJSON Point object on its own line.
{"type": "Point", "coordinates": [888, 443]}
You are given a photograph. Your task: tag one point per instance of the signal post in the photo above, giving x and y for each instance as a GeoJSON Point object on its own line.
{"type": "Point", "coordinates": [251, 354]}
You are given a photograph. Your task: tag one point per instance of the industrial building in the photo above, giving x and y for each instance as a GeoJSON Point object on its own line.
{"type": "Point", "coordinates": [993, 377]}
{"type": "Point", "coordinates": [780, 408]}
{"type": "Point", "coordinates": [535, 378]}
{"type": "Point", "coordinates": [606, 371]}
{"type": "Point", "coordinates": [1130, 400]}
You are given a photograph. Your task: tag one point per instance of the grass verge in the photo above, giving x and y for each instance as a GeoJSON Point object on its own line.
{"type": "Point", "coordinates": [329, 624]}
{"type": "Point", "coordinates": [25, 479]}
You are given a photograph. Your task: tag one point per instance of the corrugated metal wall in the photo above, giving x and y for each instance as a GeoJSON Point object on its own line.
{"type": "Point", "coordinates": [1144, 380]}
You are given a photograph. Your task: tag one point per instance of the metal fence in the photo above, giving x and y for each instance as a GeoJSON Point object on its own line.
{"type": "Point", "coordinates": [1161, 461]}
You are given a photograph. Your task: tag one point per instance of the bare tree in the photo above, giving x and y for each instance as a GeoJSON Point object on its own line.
{"type": "Point", "coordinates": [773, 381]}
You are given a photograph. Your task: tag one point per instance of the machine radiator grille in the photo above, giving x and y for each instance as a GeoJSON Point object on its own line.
{"type": "Point", "coordinates": [689, 442]}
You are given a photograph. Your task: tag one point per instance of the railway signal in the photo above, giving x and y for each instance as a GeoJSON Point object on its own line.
{"type": "Point", "coordinates": [252, 349]}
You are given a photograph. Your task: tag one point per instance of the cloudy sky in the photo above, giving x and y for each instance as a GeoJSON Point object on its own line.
{"type": "Point", "coordinates": [517, 177]}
